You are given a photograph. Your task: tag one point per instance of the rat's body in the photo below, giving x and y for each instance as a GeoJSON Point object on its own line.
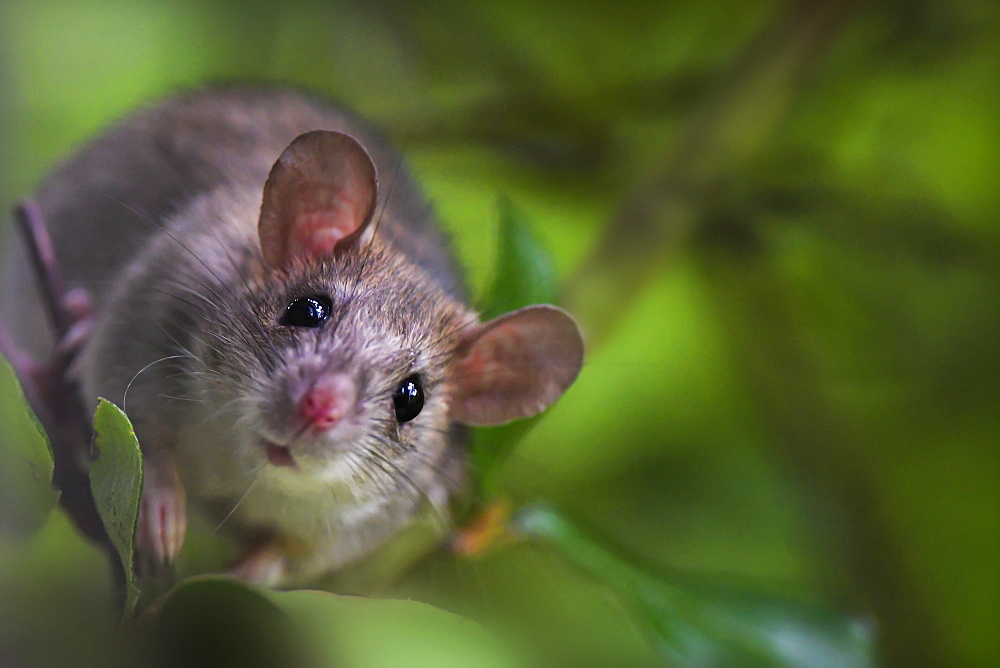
{"type": "Point", "coordinates": [296, 368]}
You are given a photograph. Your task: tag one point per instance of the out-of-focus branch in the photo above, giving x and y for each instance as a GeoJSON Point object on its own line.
{"type": "Point", "coordinates": [734, 120]}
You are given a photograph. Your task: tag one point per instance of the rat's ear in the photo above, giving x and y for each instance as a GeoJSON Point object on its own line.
{"type": "Point", "coordinates": [319, 197]}
{"type": "Point", "coordinates": [515, 366]}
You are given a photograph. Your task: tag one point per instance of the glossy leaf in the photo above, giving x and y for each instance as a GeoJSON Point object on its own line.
{"type": "Point", "coordinates": [217, 620]}
{"type": "Point", "coordinates": [694, 622]}
{"type": "Point", "coordinates": [524, 275]}
{"type": "Point", "coordinates": [26, 492]}
{"type": "Point", "coordinates": [221, 621]}
{"type": "Point", "coordinates": [355, 631]}
{"type": "Point", "coordinates": [116, 482]}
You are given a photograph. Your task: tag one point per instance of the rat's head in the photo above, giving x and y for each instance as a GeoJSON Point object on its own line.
{"type": "Point", "coordinates": [354, 359]}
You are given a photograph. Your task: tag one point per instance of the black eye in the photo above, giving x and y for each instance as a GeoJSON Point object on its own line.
{"type": "Point", "coordinates": [409, 399]}
{"type": "Point", "coordinates": [307, 312]}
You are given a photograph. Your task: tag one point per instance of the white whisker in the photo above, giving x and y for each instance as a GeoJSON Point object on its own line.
{"type": "Point", "coordinates": [238, 503]}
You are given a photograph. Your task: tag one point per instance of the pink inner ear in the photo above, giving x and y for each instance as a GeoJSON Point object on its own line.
{"type": "Point", "coordinates": [498, 365]}
{"type": "Point", "coordinates": [320, 220]}
{"type": "Point", "coordinates": [516, 366]}
{"type": "Point", "coordinates": [321, 192]}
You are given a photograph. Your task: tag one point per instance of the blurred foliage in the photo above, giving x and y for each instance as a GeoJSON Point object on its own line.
{"type": "Point", "coordinates": [708, 624]}
{"type": "Point", "coordinates": [25, 461]}
{"type": "Point", "coordinates": [221, 621]}
{"type": "Point", "coordinates": [797, 372]}
{"type": "Point", "coordinates": [524, 275]}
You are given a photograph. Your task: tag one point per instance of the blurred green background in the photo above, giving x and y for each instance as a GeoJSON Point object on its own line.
{"type": "Point", "coordinates": [777, 223]}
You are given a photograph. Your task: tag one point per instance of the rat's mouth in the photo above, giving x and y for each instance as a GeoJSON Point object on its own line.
{"type": "Point", "coordinates": [279, 455]}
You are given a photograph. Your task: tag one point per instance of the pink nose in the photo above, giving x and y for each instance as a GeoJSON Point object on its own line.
{"type": "Point", "coordinates": [327, 402]}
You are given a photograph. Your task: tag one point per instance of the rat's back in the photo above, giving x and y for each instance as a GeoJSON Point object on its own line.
{"type": "Point", "coordinates": [102, 205]}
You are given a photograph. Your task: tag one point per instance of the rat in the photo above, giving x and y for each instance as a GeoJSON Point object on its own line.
{"type": "Point", "coordinates": [293, 343]}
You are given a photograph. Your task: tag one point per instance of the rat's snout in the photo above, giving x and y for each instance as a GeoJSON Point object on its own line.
{"type": "Point", "coordinates": [325, 403]}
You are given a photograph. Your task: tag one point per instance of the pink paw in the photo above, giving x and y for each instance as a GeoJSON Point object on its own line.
{"type": "Point", "coordinates": [162, 518]}
{"type": "Point", "coordinates": [78, 303]}
{"type": "Point", "coordinates": [264, 563]}
{"type": "Point", "coordinates": [79, 309]}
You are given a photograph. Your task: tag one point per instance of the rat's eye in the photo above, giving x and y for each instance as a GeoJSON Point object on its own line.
{"type": "Point", "coordinates": [408, 398]}
{"type": "Point", "coordinates": [307, 312]}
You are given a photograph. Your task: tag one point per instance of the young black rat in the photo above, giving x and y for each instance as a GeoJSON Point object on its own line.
{"type": "Point", "coordinates": [291, 344]}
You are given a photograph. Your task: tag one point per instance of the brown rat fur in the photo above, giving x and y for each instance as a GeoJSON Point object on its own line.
{"type": "Point", "coordinates": [161, 219]}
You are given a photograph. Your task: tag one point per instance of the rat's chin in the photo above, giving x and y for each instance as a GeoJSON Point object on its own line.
{"type": "Point", "coordinates": [302, 466]}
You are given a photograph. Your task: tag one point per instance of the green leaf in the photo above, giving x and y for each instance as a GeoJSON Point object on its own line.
{"type": "Point", "coordinates": [222, 621]}
{"type": "Point", "coordinates": [692, 622]}
{"type": "Point", "coordinates": [116, 481]}
{"type": "Point", "coordinates": [355, 631]}
{"type": "Point", "coordinates": [212, 620]}
{"type": "Point", "coordinates": [524, 275]}
{"type": "Point", "coordinates": [26, 492]}
{"type": "Point", "coordinates": [54, 598]}
{"type": "Point", "coordinates": [490, 448]}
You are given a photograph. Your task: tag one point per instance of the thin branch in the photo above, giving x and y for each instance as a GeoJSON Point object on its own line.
{"type": "Point", "coordinates": [42, 255]}
{"type": "Point", "coordinates": [55, 395]}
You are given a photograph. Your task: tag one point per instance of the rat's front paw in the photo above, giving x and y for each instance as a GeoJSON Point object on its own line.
{"type": "Point", "coordinates": [265, 562]}
{"type": "Point", "coordinates": [162, 515]}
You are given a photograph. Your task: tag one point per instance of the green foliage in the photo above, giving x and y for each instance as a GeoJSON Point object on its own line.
{"type": "Point", "coordinates": [216, 621]}
{"type": "Point", "coordinates": [707, 623]}
{"type": "Point", "coordinates": [524, 274]}
{"type": "Point", "coordinates": [219, 621]}
{"type": "Point", "coordinates": [55, 594]}
{"type": "Point", "coordinates": [799, 383]}
{"type": "Point", "coordinates": [116, 482]}
{"type": "Point", "coordinates": [54, 585]}
{"type": "Point", "coordinates": [352, 631]}
{"type": "Point", "coordinates": [26, 493]}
